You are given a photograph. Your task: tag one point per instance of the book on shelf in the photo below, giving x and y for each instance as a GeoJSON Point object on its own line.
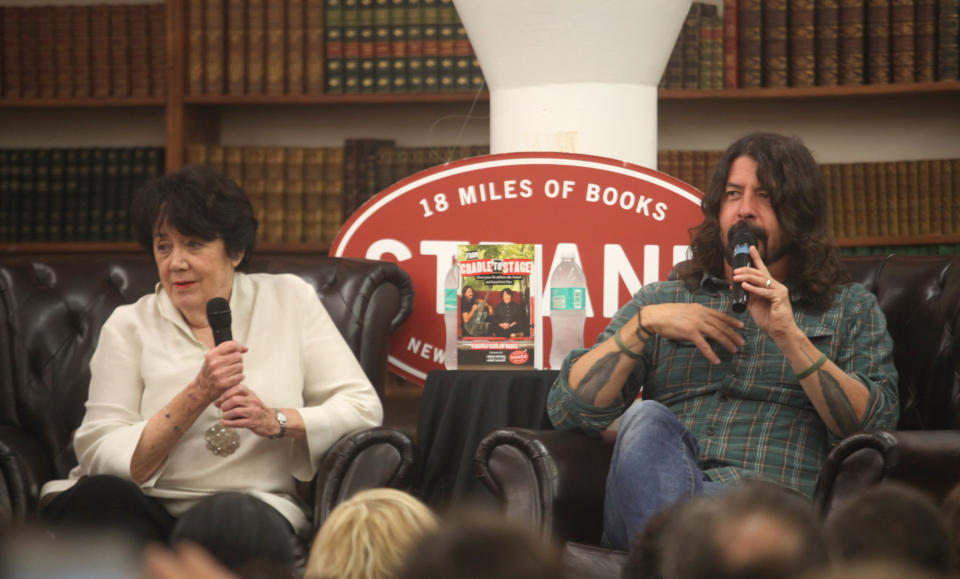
{"type": "Point", "coordinates": [56, 188]}
{"type": "Point", "coordinates": [903, 38]}
{"type": "Point", "coordinates": [236, 47]}
{"type": "Point", "coordinates": [359, 163]}
{"type": "Point", "coordinates": [859, 215]}
{"type": "Point", "coordinates": [690, 44]}
{"type": "Point", "coordinates": [925, 29]}
{"type": "Point", "coordinates": [711, 49]}
{"type": "Point", "coordinates": [730, 40]}
{"type": "Point", "coordinates": [928, 198]}
{"type": "Point", "coordinates": [293, 195]}
{"type": "Point", "coordinates": [12, 85]}
{"type": "Point", "coordinates": [254, 182]}
{"type": "Point", "coordinates": [41, 195]}
{"type": "Point", "coordinates": [382, 59]}
{"type": "Point", "coordinates": [802, 49]}
{"type": "Point", "coordinates": [26, 195]}
{"type": "Point", "coordinates": [673, 73]}
{"type": "Point", "coordinates": [157, 24]}
{"type": "Point", "coordinates": [333, 186]}
{"type": "Point", "coordinates": [948, 40]}
{"type": "Point", "coordinates": [398, 45]}
{"type": "Point", "coordinates": [295, 36]}
{"type": "Point", "coordinates": [775, 44]}
{"type": "Point", "coordinates": [447, 21]}
{"type": "Point", "coordinates": [827, 18]}
{"type": "Point", "coordinates": [63, 51]}
{"type": "Point", "coordinates": [138, 44]}
{"type": "Point", "coordinates": [233, 165]}
{"type": "Point", "coordinates": [111, 191]}
{"type": "Point", "coordinates": [750, 43]}
{"type": "Point", "coordinates": [274, 160]}
{"type": "Point", "coordinates": [256, 47]}
{"type": "Point", "coordinates": [275, 58]}
{"type": "Point", "coordinates": [196, 45]}
{"type": "Point", "coordinates": [313, 195]}
{"type": "Point", "coordinates": [414, 46]}
{"type": "Point", "coordinates": [314, 40]}
{"type": "Point", "coordinates": [367, 73]}
{"type": "Point", "coordinates": [430, 10]}
{"type": "Point", "coordinates": [351, 46]}
{"type": "Point", "coordinates": [45, 53]}
{"type": "Point", "coordinates": [29, 87]}
{"type": "Point", "coordinates": [82, 44]}
{"type": "Point", "coordinates": [333, 47]}
{"type": "Point", "coordinates": [879, 67]}
{"type": "Point", "coordinates": [852, 20]}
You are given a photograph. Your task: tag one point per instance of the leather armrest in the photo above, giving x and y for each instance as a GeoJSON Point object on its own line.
{"type": "Point", "coordinates": [376, 457]}
{"type": "Point", "coordinates": [554, 480]}
{"type": "Point", "coordinates": [24, 467]}
{"type": "Point", "coordinates": [926, 459]}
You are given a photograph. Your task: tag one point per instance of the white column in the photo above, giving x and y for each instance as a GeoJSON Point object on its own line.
{"type": "Point", "coordinates": [574, 76]}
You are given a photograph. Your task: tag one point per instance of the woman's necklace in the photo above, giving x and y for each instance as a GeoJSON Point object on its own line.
{"type": "Point", "coordinates": [222, 441]}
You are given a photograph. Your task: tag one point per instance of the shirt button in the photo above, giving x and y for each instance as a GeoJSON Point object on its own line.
{"type": "Point", "coordinates": [710, 431]}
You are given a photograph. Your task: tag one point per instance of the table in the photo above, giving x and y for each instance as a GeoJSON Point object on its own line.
{"type": "Point", "coordinates": [459, 408]}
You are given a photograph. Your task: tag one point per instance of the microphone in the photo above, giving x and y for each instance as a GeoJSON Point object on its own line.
{"type": "Point", "coordinates": [742, 240]}
{"type": "Point", "coordinates": [218, 316]}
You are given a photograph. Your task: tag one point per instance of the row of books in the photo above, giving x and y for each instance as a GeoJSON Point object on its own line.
{"type": "Point", "coordinates": [387, 46]}
{"type": "Point", "coordinates": [931, 249]}
{"type": "Point", "coordinates": [304, 194]}
{"type": "Point", "coordinates": [83, 51]}
{"type": "Point", "coordinates": [893, 198]}
{"type": "Point", "coordinates": [71, 194]}
{"type": "Point", "coordinates": [781, 43]}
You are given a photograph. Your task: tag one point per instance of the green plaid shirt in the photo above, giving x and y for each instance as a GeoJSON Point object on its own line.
{"type": "Point", "coordinates": [749, 414]}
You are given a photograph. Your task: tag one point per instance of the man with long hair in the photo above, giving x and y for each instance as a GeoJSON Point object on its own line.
{"type": "Point", "coordinates": [733, 396]}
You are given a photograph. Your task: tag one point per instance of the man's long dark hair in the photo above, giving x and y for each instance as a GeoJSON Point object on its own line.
{"type": "Point", "coordinates": [787, 170]}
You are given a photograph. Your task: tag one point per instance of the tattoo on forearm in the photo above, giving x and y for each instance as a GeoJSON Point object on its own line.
{"type": "Point", "coordinates": [597, 377]}
{"type": "Point", "coordinates": [838, 405]}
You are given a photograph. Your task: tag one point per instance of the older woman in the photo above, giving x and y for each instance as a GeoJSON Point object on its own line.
{"type": "Point", "coordinates": [176, 422]}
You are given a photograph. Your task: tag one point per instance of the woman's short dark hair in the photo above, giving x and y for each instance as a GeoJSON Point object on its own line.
{"type": "Point", "coordinates": [199, 202]}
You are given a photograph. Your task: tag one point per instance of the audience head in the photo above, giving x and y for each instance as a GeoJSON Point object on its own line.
{"type": "Point", "coordinates": [483, 545]}
{"type": "Point", "coordinates": [644, 555]}
{"type": "Point", "coordinates": [197, 202]}
{"type": "Point", "coordinates": [891, 521]}
{"type": "Point", "coordinates": [757, 530]}
{"type": "Point", "coordinates": [369, 535]}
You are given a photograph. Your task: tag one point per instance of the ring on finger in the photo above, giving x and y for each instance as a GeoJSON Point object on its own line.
{"type": "Point", "coordinates": [769, 281]}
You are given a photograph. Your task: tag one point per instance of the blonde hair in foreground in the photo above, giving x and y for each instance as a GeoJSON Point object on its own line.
{"type": "Point", "coordinates": [369, 535]}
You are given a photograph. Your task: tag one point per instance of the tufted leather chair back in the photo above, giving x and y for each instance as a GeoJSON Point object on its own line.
{"type": "Point", "coordinates": [920, 296]}
{"type": "Point", "coordinates": [53, 306]}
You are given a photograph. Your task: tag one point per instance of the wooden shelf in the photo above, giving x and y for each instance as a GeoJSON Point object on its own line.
{"type": "Point", "coordinates": [814, 92]}
{"type": "Point", "coordinates": [133, 247]}
{"type": "Point", "coordinates": [85, 103]}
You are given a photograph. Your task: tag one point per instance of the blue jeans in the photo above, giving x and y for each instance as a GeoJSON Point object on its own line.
{"type": "Point", "coordinates": [654, 465]}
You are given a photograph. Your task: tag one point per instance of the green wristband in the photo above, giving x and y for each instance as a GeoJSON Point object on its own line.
{"type": "Point", "coordinates": [813, 367]}
{"type": "Point", "coordinates": [624, 348]}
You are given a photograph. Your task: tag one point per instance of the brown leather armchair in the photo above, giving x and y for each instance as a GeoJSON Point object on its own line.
{"type": "Point", "coordinates": [555, 480]}
{"type": "Point", "coordinates": [53, 306]}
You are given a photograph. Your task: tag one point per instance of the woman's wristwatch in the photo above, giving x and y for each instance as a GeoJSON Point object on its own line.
{"type": "Point", "coordinates": [282, 419]}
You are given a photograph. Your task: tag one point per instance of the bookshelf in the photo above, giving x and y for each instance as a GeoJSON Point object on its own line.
{"type": "Point", "coordinates": [177, 119]}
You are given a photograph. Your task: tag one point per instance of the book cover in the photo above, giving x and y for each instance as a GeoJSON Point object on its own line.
{"type": "Point", "coordinates": [495, 306]}
{"type": "Point", "coordinates": [196, 45]}
{"type": "Point", "coordinates": [138, 41]}
{"type": "Point", "coordinates": [215, 158]}
{"type": "Point", "coordinates": [775, 44]}
{"type": "Point", "coordinates": [296, 13]}
{"type": "Point", "coordinates": [879, 69]}
{"type": "Point", "coordinates": [948, 40]}
{"type": "Point", "coordinates": [275, 61]}
{"type": "Point", "coordinates": [111, 193]}
{"type": "Point", "coordinates": [882, 199]}
{"type": "Point", "coordinates": [293, 195]}
{"type": "Point", "coordinates": [333, 173]}
{"type": "Point", "coordinates": [236, 60]}
{"type": "Point", "coordinates": [902, 31]}
{"type": "Point", "coordinates": [314, 40]}
{"type": "Point", "coordinates": [909, 197]}
{"type": "Point", "coordinates": [398, 45]}
{"type": "Point", "coordinates": [431, 45]}
{"type": "Point", "coordinates": [56, 189]}
{"type": "Point", "coordinates": [852, 20]}
{"type": "Point", "coordinates": [26, 197]}
{"type": "Point", "coordinates": [894, 208]}
{"type": "Point", "coordinates": [82, 56]}
{"type": "Point", "coordinates": [833, 204]}
{"type": "Point", "coordinates": [414, 28]}
{"type": "Point", "coordinates": [63, 51]}
{"type": "Point", "coordinates": [690, 41]}
{"type": "Point", "coordinates": [929, 198]}
{"type": "Point", "coordinates": [382, 58]}
{"type": "Point", "coordinates": [828, 42]}
{"type": "Point", "coordinates": [274, 188]}
{"type": "Point", "coordinates": [11, 51]}
{"type": "Point", "coordinates": [750, 47]}
{"type": "Point", "coordinates": [98, 184]}
{"type": "Point", "coordinates": [463, 57]}
{"type": "Point", "coordinates": [256, 47]}
{"type": "Point", "coordinates": [29, 87]}
{"type": "Point", "coordinates": [41, 195]}
{"type": "Point", "coordinates": [710, 26]}
{"type": "Point", "coordinates": [333, 47]}
{"type": "Point", "coordinates": [119, 51]}
{"type": "Point", "coordinates": [254, 184]}
{"type": "Point", "coordinates": [126, 158]}
{"type": "Point", "coordinates": [72, 191]}
{"type": "Point", "coordinates": [447, 21]}
{"type": "Point", "coordinates": [925, 29]}
{"type": "Point", "coordinates": [313, 195]}
{"type": "Point", "coordinates": [81, 214]}
{"type": "Point", "coordinates": [233, 164]}
{"type": "Point", "coordinates": [351, 46]}
{"type": "Point", "coordinates": [367, 72]}
{"type": "Point", "coordinates": [11, 201]}
{"type": "Point", "coordinates": [730, 42]}
{"type": "Point", "coordinates": [951, 183]}
{"type": "Point", "coordinates": [46, 53]}
{"type": "Point", "coordinates": [803, 49]}
{"type": "Point", "coordinates": [861, 205]}
{"type": "Point", "coordinates": [157, 22]}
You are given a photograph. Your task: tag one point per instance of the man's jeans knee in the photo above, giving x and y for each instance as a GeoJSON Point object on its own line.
{"type": "Point", "coordinates": [654, 465]}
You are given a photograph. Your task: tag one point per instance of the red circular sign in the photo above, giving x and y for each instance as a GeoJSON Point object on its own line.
{"type": "Point", "coordinates": [519, 357]}
{"type": "Point", "coordinates": [626, 225]}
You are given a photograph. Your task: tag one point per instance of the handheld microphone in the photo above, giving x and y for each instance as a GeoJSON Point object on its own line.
{"type": "Point", "coordinates": [218, 316]}
{"type": "Point", "coordinates": [742, 240]}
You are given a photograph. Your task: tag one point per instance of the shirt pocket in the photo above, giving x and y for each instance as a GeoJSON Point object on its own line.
{"type": "Point", "coordinates": [782, 372]}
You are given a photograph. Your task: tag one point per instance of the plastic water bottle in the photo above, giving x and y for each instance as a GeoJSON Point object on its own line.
{"type": "Point", "coordinates": [451, 287]}
{"type": "Point", "coordinates": [568, 302]}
